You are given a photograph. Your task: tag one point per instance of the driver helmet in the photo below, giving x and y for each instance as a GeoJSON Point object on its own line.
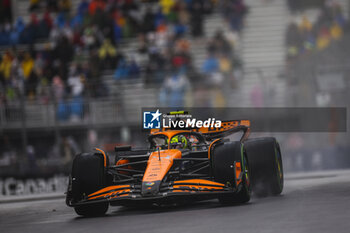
{"type": "Point", "coordinates": [181, 140]}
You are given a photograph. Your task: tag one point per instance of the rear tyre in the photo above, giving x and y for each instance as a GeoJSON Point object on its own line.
{"type": "Point", "coordinates": [88, 176]}
{"type": "Point", "coordinates": [224, 156]}
{"type": "Point", "coordinates": [265, 159]}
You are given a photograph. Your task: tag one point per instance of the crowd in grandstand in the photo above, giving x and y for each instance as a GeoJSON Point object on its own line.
{"type": "Point", "coordinates": [308, 37]}
{"type": "Point", "coordinates": [69, 48]}
{"type": "Point", "coordinates": [78, 46]}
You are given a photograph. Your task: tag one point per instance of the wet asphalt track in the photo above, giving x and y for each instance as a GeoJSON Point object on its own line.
{"type": "Point", "coordinates": [318, 202]}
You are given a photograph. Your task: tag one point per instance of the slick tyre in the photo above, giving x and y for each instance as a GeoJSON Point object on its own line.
{"type": "Point", "coordinates": [224, 156]}
{"type": "Point", "coordinates": [265, 160]}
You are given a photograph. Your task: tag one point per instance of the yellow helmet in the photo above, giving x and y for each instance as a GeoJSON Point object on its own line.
{"type": "Point", "coordinates": [181, 140]}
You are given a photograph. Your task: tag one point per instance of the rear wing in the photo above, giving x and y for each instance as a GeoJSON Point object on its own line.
{"type": "Point", "coordinates": [227, 128]}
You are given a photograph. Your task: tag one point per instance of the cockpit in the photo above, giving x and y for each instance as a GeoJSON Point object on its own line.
{"type": "Point", "coordinates": [183, 140]}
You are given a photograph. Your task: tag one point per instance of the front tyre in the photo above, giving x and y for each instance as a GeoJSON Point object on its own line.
{"type": "Point", "coordinates": [88, 176]}
{"type": "Point", "coordinates": [243, 195]}
{"type": "Point", "coordinates": [224, 157]}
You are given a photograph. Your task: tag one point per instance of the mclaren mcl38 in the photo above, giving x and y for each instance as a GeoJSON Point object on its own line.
{"type": "Point", "coordinates": [178, 166]}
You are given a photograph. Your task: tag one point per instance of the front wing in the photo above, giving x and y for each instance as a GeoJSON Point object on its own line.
{"type": "Point", "coordinates": [168, 192]}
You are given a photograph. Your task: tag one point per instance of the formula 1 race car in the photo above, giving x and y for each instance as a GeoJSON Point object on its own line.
{"type": "Point", "coordinates": [179, 166]}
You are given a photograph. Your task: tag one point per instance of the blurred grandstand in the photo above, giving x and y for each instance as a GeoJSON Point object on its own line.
{"type": "Point", "coordinates": [76, 73]}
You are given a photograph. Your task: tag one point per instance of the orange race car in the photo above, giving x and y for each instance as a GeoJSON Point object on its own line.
{"type": "Point", "coordinates": [179, 166]}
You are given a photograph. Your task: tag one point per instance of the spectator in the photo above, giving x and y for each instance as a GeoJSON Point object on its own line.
{"type": "Point", "coordinates": [19, 25]}
{"type": "Point", "coordinates": [58, 88]}
{"type": "Point", "coordinates": [4, 38]}
{"type": "Point", "coordinates": [61, 20]}
{"type": "Point", "coordinates": [77, 40]}
{"type": "Point", "coordinates": [52, 5]}
{"type": "Point", "coordinates": [179, 29]}
{"type": "Point", "coordinates": [45, 26]}
{"type": "Point", "coordinates": [183, 14]}
{"type": "Point", "coordinates": [27, 66]}
{"type": "Point", "coordinates": [43, 91]}
{"type": "Point", "coordinates": [107, 54]}
{"type": "Point", "coordinates": [34, 5]}
{"type": "Point", "coordinates": [67, 32]}
{"type": "Point", "coordinates": [234, 12]}
{"type": "Point", "coordinates": [83, 7]}
{"type": "Point", "coordinates": [127, 69]}
{"type": "Point", "coordinates": [65, 5]}
{"type": "Point", "coordinates": [89, 38]}
{"type": "Point", "coordinates": [29, 33]}
{"type": "Point", "coordinates": [47, 20]}
{"type": "Point", "coordinates": [166, 6]}
{"type": "Point", "coordinates": [64, 53]}
{"type": "Point", "coordinates": [58, 92]}
{"type": "Point", "coordinates": [225, 65]}
{"type": "Point", "coordinates": [336, 31]}
{"type": "Point", "coordinates": [148, 21]}
{"type": "Point", "coordinates": [293, 40]}
{"type": "Point", "coordinates": [305, 25]}
{"type": "Point", "coordinates": [75, 82]}
{"type": "Point", "coordinates": [174, 90]}
{"type": "Point", "coordinates": [5, 66]}
{"type": "Point", "coordinates": [5, 11]}
{"type": "Point", "coordinates": [197, 19]}
{"type": "Point", "coordinates": [95, 5]}
{"type": "Point", "coordinates": [323, 39]}
{"type": "Point", "coordinates": [122, 70]}
{"type": "Point", "coordinates": [219, 44]}
{"type": "Point", "coordinates": [210, 65]}
{"type": "Point", "coordinates": [118, 33]}
{"type": "Point", "coordinates": [134, 69]}
{"type": "Point", "coordinates": [29, 76]}
{"type": "Point", "coordinates": [77, 21]}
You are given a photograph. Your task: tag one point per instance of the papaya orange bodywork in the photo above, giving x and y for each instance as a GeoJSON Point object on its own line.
{"type": "Point", "coordinates": [104, 156]}
{"type": "Point", "coordinates": [202, 188]}
{"type": "Point", "coordinates": [211, 145]}
{"type": "Point", "coordinates": [199, 182]}
{"type": "Point", "coordinates": [124, 161]}
{"type": "Point", "coordinates": [196, 184]}
{"type": "Point", "coordinates": [159, 163]}
{"type": "Point", "coordinates": [108, 191]}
